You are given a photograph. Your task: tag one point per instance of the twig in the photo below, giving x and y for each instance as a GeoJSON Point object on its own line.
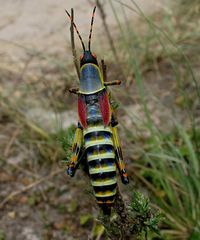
{"type": "Point", "coordinates": [105, 25]}
{"type": "Point", "coordinates": [104, 70]}
{"type": "Point", "coordinates": [110, 40]}
{"type": "Point", "coordinates": [21, 169]}
{"type": "Point", "coordinates": [30, 186]}
{"type": "Point", "coordinates": [73, 44]}
{"type": "Point", "coordinates": [7, 149]}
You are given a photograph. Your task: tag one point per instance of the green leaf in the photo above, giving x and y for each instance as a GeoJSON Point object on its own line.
{"type": "Point", "coordinates": [2, 235]}
{"type": "Point", "coordinates": [98, 230]}
{"type": "Point", "coordinates": [72, 207]}
{"type": "Point", "coordinates": [62, 208]}
{"type": "Point", "coordinates": [84, 219]}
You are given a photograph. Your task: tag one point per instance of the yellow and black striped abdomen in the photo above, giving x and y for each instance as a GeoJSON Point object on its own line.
{"type": "Point", "coordinates": [101, 163]}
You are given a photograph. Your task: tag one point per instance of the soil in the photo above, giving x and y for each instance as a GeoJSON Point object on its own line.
{"type": "Point", "coordinates": [44, 24]}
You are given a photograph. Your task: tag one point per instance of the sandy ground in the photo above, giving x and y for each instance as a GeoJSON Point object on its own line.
{"type": "Point", "coordinates": [43, 25]}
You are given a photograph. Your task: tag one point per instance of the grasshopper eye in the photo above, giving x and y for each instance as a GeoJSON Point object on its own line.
{"type": "Point", "coordinates": [94, 55]}
{"type": "Point", "coordinates": [81, 57]}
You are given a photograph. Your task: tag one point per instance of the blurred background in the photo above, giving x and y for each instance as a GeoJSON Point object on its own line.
{"type": "Point", "coordinates": [153, 48]}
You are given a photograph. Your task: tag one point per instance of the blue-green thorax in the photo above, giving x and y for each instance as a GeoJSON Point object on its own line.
{"type": "Point", "coordinates": [91, 80]}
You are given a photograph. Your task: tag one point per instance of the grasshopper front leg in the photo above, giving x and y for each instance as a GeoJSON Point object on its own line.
{"type": "Point", "coordinates": [118, 152]}
{"type": "Point", "coordinates": [77, 148]}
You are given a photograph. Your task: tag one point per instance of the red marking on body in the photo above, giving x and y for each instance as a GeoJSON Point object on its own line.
{"type": "Point", "coordinates": [94, 55]}
{"type": "Point", "coordinates": [125, 174]}
{"type": "Point", "coordinates": [104, 108]}
{"type": "Point", "coordinates": [82, 112]}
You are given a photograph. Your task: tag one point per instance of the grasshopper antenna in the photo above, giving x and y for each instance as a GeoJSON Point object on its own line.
{"type": "Point", "coordinates": [90, 35]}
{"type": "Point", "coordinates": [72, 23]}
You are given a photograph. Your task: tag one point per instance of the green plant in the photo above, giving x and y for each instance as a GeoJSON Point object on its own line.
{"type": "Point", "coordinates": [173, 174]}
{"type": "Point", "coordinates": [2, 235]}
{"type": "Point", "coordinates": [65, 138]}
{"type": "Point", "coordinates": [134, 221]}
{"type": "Point", "coordinates": [169, 159]}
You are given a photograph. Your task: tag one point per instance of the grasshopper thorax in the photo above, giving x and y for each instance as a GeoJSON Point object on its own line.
{"type": "Point", "coordinates": [91, 79]}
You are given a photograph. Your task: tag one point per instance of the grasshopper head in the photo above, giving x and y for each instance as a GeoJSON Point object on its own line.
{"type": "Point", "coordinates": [88, 57]}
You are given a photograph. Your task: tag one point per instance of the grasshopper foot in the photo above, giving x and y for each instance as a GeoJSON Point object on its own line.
{"type": "Point", "coordinates": [124, 177]}
{"type": "Point", "coordinates": [71, 170]}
